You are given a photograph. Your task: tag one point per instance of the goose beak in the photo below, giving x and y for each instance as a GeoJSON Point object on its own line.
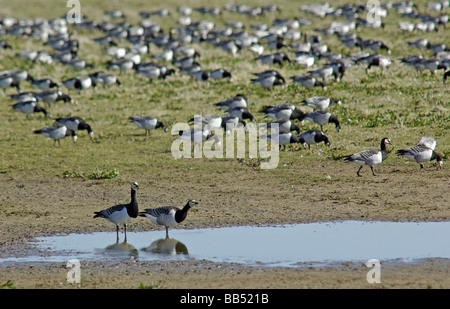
{"type": "Point", "coordinates": [91, 135]}
{"type": "Point", "coordinates": [439, 165]}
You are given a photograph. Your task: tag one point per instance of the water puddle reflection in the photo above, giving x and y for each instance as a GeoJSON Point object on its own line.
{"type": "Point", "coordinates": [280, 245]}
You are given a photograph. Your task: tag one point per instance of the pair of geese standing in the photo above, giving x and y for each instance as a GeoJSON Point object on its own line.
{"type": "Point", "coordinates": [122, 214]}
{"type": "Point", "coordinates": [423, 151]}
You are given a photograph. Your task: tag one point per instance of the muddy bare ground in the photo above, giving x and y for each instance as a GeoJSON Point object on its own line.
{"type": "Point", "coordinates": [33, 206]}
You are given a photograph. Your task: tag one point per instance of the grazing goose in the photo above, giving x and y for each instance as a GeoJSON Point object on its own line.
{"type": "Point", "coordinates": [210, 121]}
{"type": "Point", "coordinates": [313, 137]}
{"type": "Point", "coordinates": [105, 79]}
{"type": "Point", "coordinates": [284, 126]}
{"type": "Point", "coordinates": [238, 100]}
{"type": "Point", "coordinates": [320, 102]}
{"type": "Point", "coordinates": [282, 139]}
{"type": "Point", "coordinates": [277, 58]}
{"type": "Point", "coordinates": [167, 215]}
{"type": "Point", "coordinates": [230, 122]}
{"type": "Point", "coordinates": [323, 72]}
{"type": "Point", "coordinates": [75, 123]}
{"type": "Point", "coordinates": [44, 84]}
{"type": "Point", "coordinates": [241, 112]}
{"type": "Point", "coordinates": [29, 108]}
{"type": "Point", "coordinates": [283, 111]}
{"type": "Point", "coordinates": [218, 74]}
{"type": "Point", "coordinates": [323, 117]}
{"type": "Point", "coordinates": [198, 136]}
{"type": "Point", "coordinates": [269, 81]}
{"type": "Point", "coordinates": [24, 96]}
{"type": "Point", "coordinates": [423, 151]}
{"type": "Point", "coordinates": [446, 75]}
{"type": "Point", "coordinates": [18, 76]}
{"type": "Point", "coordinates": [122, 213]}
{"type": "Point", "coordinates": [56, 132]}
{"type": "Point", "coordinates": [122, 64]}
{"type": "Point", "coordinates": [8, 81]}
{"type": "Point", "coordinates": [80, 83]}
{"type": "Point", "coordinates": [370, 157]}
{"type": "Point", "coordinates": [147, 123]}
{"type": "Point", "coordinates": [304, 59]}
{"type": "Point", "coordinates": [52, 96]}
{"type": "Point", "coordinates": [380, 61]}
{"type": "Point", "coordinates": [308, 82]}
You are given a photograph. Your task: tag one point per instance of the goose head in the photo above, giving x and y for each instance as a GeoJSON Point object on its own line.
{"type": "Point", "coordinates": [134, 186]}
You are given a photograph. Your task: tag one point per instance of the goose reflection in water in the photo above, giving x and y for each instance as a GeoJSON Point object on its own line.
{"type": "Point", "coordinates": [122, 248]}
{"type": "Point", "coordinates": [166, 246]}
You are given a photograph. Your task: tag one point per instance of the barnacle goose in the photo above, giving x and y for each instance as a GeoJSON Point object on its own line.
{"type": "Point", "coordinates": [238, 100]}
{"type": "Point", "coordinates": [423, 151]}
{"type": "Point", "coordinates": [147, 123]}
{"type": "Point", "coordinates": [105, 79]}
{"type": "Point", "coordinates": [56, 132]}
{"type": "Point", "coordinates": [269, 78]}
{"type": "Point", "coordinates": [320, 102]}
{"type": "Point", "coordinates": [308, 81]}
{"type": "Point", "coordinates": [75, 123]}
{"type": "Point", "coordinates": [283, 111]}
{"type": "Point", "coordinates": [80, 83]}
{"type": "Point", "coordinates": [167, 215]}
{"type": "Point", "coordinates": [52, 96]}
{"type": "Point", "coordinates": [29, 108]}
{"type": "Point", "coordinates": [44, 83]}
{"type": "Point", "coordinates": [313, 137]}
{"type": "Point", "coordinates": [323, 117]}
{"type": "Point", "coordinates": [282, 139]}
{"type": "Point", "coordinates": [446, 75]}
{"type": "Point", "coordinates": [370, 157]}
{"type": "Point", "coordinates": [284, 126]}
{"type": "Point", "coordinates": [121, 214]}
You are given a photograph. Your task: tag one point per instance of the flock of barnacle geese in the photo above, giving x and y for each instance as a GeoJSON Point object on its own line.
{"type": "Point", "coordinates": [285, 42]}
{"type": "Point", "coordinates": [177, 55]}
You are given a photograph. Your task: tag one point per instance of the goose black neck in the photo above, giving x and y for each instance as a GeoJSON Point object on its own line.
{"type": "Point", "coordinates": [180, 215]}
{"type": "Point", "coordinates": [133, 209]}
{"type": "Point", "coordinates": [383, 145]}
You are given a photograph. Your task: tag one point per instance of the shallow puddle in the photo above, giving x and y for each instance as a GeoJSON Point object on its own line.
{"type": "Point", "coordinates": [279, 245]}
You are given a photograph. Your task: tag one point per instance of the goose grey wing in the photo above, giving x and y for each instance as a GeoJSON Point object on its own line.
{"type": "Point", "coordinates": [158, 211]}
{"type": "Point", "coordinates": [365, 154]}
{"type": "Point", "coordinates": [427, 142]}
{"type": "Point", "coordinates": [106, 213]}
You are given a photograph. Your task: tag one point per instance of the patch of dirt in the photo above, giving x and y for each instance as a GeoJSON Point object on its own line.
{"type": "Point", "coordinates": [35, 206]}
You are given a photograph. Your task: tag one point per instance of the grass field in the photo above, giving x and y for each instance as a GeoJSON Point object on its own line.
{"type": "Point", "coordinates": [399, 103]}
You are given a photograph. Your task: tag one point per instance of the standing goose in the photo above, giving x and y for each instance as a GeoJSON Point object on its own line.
{"type": "Point", "coordinates": [370, 157]}
{"type": "Point", "coordinates": [167, 215]}
{"type": "Point", "coordinates": [121, 213]}
{"type": "Point", "coordinates": [323, 117]}
{"type": "Point", "coordinates": [422, 152]}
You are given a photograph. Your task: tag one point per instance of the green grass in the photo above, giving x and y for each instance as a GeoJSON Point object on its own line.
{"type": "Point", "coordinates": [399, 102]}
